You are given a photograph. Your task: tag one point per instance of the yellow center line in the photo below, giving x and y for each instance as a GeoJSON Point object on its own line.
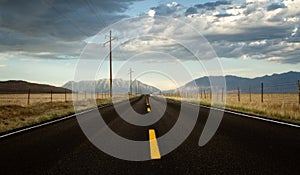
{"type": "Point", "coordinates": [154, 150]}
{"type": "Point", "coordinates": [147, 104]}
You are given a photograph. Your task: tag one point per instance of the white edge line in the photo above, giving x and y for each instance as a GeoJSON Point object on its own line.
{"type": "Point", "coordinates": [246, 115]}
{"type": "Point", "coordinates": [53, 121]}
{"type": "Point", "coordinates": [249, 116]}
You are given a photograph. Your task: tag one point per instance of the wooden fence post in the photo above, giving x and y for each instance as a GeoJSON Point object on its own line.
{"type": "Point", "coordinates": [299, 90]}
{"type": "Point", "coordinates": [239, 94]}
{"type": "Point", "coordinates": [222, 94]}
{"type": "Point", "coordinates": [51, 95]}
{"type": "Point", "coordinates": [28, 97]}
{"type": "Point", "coordinates": [262, 92]}
{"type": "Point", "coordinates": [65, 95]}
{"type": "Point", "coordinates": [250, 97]}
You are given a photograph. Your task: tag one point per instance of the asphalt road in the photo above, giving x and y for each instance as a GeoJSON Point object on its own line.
{"type": "Point", "coordinates": [240, 146]}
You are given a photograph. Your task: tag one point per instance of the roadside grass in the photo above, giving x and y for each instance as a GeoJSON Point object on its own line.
{"type": "Point", "coordinates": [276, 106]}
{"type": "Point", "coordinates": [13, 116]}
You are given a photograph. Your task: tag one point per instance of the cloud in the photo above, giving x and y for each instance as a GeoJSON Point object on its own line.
{"type": "Point", "coordinates": [54, 26]}
{"type": "Point", "coordinates": [212, 5]}
{"type": "Point", "coordinates": [251, 30]}
{"type": "Point", "coordinates": [223, 15]}
{"type": "Point", "coordinates": [190, 11]}
{"type": "Point", "coordinates": [275, 6]}
{"type": "Point", "coordinates": [264, 29]}
{"type": "Point", "coordinates": [167, 9]}
{"type": "Point", "coordinates": [157, 47]}
{"type": "Point", "coordinates": [151, 13]}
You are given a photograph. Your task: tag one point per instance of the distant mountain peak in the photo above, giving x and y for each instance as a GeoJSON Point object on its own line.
{"type": "Point", "coordinates": [233, 82]}
{"type": "Point", "coordinates": [102, 86]}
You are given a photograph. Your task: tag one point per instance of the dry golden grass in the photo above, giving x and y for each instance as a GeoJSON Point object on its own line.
{"type": "Point", "coordinates": [22, 99]}
{"type": "Point", "coordinates": [15, 116]}
{"type": "Point", "coordinates": [15, 113]}
{"type": "Point", "coordinates": [278, 106]}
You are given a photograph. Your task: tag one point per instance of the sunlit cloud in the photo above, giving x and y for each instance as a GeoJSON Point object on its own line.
{"type": "Point", "coordinates": [151, 13]}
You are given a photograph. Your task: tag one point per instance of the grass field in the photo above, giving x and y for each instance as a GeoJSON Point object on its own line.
{"type": "Point", "coordinates": [16, 113]}
{"type": "Point", "coordinates": [278, 106]}
{"type": "Point", "coordinates": [22, 99]}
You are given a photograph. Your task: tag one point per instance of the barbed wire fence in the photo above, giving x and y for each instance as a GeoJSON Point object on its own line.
{"type": "Point", "coordinates": [281, 100]}
{"type": "Point", "coordinates": [288, 93]}
{"type": "Point", "coordinates": [29, 97]}
{"type": "Point", "coordinates": [282, 93]}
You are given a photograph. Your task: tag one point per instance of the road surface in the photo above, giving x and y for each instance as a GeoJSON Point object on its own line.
{"type": "Point", "coordinates": [240, 146]}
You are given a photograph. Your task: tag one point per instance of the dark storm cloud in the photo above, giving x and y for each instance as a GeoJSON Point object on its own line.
{"type": "Point", "coordinates": [190, 11]}
{"type": "Point", "coordinates": [252, 34]}
{"type": "Point", "coordinates": [262, 43]}
{"type": "Point", "coordinates": [212, 5]}
{"type": "Point", "coordinates": [50, 25]}
{"type": "Point", "coordinates": [223, 15]}
{"type": "Point", "coordinates": [275, 6]}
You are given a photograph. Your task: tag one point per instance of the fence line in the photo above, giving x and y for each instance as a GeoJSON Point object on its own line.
{"type": "Point", "coordinates": [23, 98]}
{"type": "Point", "coordinates": [266, 93]}
{"type": "Point", "coordinates": [285, 93]}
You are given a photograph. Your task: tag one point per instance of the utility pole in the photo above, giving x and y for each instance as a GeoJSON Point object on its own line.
{"type": "Point", "coordinates": [110, 61]}
{"type": "Point", "coordinates": [299, 90]}
{"type": "Point", "coordinates": [130, 76]}
{"type": "Point", "coordinates": [136, 90]}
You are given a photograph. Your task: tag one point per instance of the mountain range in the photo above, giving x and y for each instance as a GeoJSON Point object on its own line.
{"type": "Point", "coordinates": [276, 83]}
{"type": "Point", "coordinates": [102, 86]}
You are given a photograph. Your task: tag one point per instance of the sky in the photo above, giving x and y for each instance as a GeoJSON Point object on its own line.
{"type": "Point", "coordinates": [44, 41]}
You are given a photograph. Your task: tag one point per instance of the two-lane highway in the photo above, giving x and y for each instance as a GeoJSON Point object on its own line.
{"type": "Point", "coordinates": [240, 146]}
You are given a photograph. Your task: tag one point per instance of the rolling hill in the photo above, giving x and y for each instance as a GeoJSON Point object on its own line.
{"type": "Point", "coordinates": [20, 87]}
